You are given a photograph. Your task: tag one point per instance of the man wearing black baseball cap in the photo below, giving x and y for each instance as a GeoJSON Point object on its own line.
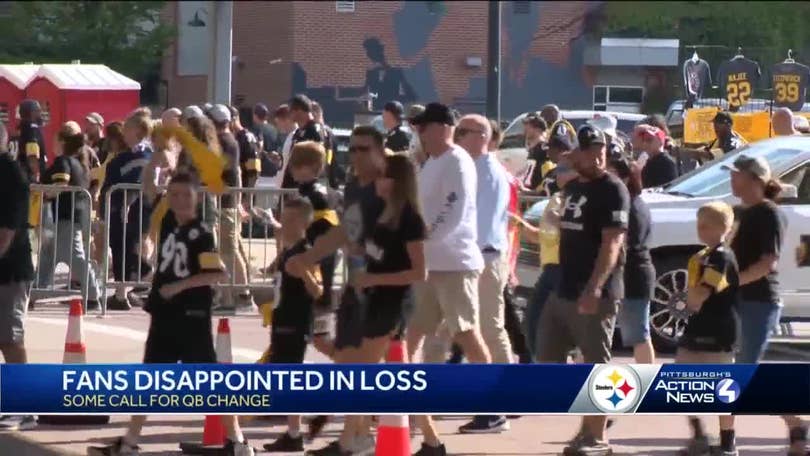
{"type": "Point", "coordinates": [559, 142]}
{"type": "Point", "coordinates": [582, 311]}
{"type": "Point", "coordinates": [726, 138]}
{"type": "Point", "coordinates": [397, 139]}
{"type": "Point", "coordinates": [535, 130]}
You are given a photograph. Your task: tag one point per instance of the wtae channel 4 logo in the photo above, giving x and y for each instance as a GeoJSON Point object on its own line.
{"type": "Point", "coordinates": [697, 387]}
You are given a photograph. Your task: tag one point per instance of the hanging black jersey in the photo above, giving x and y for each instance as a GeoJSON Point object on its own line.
{"type": "Point", "coordinates": [790, 84]}
{"type": "Point", "coordinates": [184, 251]}
{"type": "Point", "coordinates": [738, 78]}
{"type": "Point", "coordinates": [696, 77]}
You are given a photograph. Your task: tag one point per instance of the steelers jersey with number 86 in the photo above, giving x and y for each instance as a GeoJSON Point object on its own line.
{"type": "Point", "coordinates": [184, 251]}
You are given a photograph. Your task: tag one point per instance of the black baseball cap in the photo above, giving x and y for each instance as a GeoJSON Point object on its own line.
{"type": "Point", "coordinates": [588, 135]}
{"type": "Point", "coordinates": [29, 106]}
{"type": "Point", "coordinates": [261, 110]}
{"type": "Point", "coordinates": [435, 113]}
{"type": "Point", "coordinates": [723, 117]}
{"type": "Point", "coordinates": [561, 142]}
{"type": "Point", "coordinates": [395, 108]}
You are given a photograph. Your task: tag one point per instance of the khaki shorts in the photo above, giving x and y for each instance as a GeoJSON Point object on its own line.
{"type": "Point", "coordinates": [449, 296]}
{"type": "Point", "coordinates": [686, 356]}
{"type": "Point", "coordinates": [562, 328]}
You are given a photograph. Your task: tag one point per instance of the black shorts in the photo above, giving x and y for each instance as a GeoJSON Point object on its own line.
{"type": "Point", "coordinates": [350, 320]}
{"type": "Point", "coordinates": [288, 345]}
{"type": "Point", "coordinates": [180, 338]}
{"type": "Point", "coordinates": [385, 313]}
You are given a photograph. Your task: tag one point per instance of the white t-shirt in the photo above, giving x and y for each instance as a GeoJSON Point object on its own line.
{"type": "Point", "coordinates": [447, 192]}
{"type": "Point", "coordinates": [285, 158]}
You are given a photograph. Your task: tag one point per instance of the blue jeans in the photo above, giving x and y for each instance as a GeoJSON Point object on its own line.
{"type": "Point", "coordinates": [545, 285]}
{"type": "Point", "coordinates": [757, 320]}
{"type": "Point", "coordinates": [634, 321]}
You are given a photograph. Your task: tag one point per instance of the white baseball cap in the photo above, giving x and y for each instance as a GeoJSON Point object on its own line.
{"type": "Point", "coordinates": [220, 113]}
{"type": "Point", "coordinates": [606, 123]}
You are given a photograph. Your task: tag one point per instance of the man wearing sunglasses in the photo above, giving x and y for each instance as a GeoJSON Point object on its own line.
{"type": "Point", "coordinates": [582, 311]}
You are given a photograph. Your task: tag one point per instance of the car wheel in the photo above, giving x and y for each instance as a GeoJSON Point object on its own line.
{"type": "Point", "coordinates": [668, 313]}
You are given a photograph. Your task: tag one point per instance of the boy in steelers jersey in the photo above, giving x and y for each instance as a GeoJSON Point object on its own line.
{"type": "Point", "coordinates": [180, 305]}
{"type": "Point", "coordinates": [711, 331]}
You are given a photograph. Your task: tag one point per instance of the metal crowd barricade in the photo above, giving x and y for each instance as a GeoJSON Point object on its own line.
{"type": "Point", "coordinates": [44, 220]}
{"type": "Point", "coordinates": [264, 246]}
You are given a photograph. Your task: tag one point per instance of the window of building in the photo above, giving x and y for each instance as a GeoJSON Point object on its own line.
{"type": "Point", "coordinates": [617, 98]}
{"type": "Point", "coordinates": [521, 7]}
{"type": "Point", "coordinates": [344, 7]}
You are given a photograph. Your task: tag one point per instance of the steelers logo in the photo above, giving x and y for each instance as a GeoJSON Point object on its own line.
{"type": "Point", "coordinates": [614, 389]}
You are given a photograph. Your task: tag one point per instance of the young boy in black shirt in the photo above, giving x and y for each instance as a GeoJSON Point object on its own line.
{"type": "Point", "coordinates": [180, 305]}
{"type": "Point", "coordinates": [710, 333]}
{"type": "Point", "coordinates": [307, 162]}
{"type": "Point", "coordinates": [293, 315]}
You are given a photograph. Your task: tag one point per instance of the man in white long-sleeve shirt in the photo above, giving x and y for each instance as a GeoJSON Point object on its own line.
{"type": "Point", "coordinates": [447, 189]}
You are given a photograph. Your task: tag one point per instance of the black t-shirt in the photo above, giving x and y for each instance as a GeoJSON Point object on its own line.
{"type": "Point", "coordinates": [387, 252]}
{"type": "Point", "coordinates": [16, 264]}
{"type": "Point", "coordinates": [230, 175]}
{"type": "Point", "coordinates": [362, 210]}
{"type": "Point", "coordinates": [588, 208]}
{"type": "Point", "coordinates": [311, 131]}
{"type": "Point", "coordinates": [324, 218]}
{"type": "Point", "coordinates": [295, 305]}
{"type": "Point", "coordinates": [639, 273]}
{"type": "Point", "coordinates": [330, 144]}
{"type": "Point", "coordinates": [249, 160]}
{"type": "Point", "coordinates": [790, 84]}
{"type": "Point", "coordinates": [269, 136]}
{"type": "Point", "coordinates": [738, 78]}
{"type": "Point", "coordinates": [184, 251]}
{"type": "Point", "coordinates": [696, 77]}
{"type": "Point", "coordinates": [397, 139]}
{"type": "Point", "coordinates": [714, 327]}
{"type": "Point", "coordinates": [31, 144]}
{"type": "Point", "coordinates": [760, 231]}
{"type": "Point", "coordinates": [659, 170]}
{"type": "Point", "coordinates": [538, 153]}
{"type": "Point", "coordinates": [68, 171]}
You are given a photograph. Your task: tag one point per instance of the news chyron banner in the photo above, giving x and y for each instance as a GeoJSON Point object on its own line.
{"type": "Point", "coordinates": [404, 389]}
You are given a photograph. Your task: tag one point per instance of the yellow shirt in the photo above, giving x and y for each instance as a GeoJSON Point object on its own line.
{"type": "Point", "coordinates": [549, 235]}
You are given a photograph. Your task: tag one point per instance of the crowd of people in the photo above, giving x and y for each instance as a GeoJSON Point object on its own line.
{"type": "Point", "coordinates": [428, 227]}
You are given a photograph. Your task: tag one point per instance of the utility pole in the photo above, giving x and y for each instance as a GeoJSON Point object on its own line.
{"type": "Point", "coordinates": [494, 62]}
{"type": "Point", "coordinates": [223, 45]}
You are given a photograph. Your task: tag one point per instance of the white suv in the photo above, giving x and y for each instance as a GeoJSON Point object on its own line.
{"type": "Point", "coordinates": [674, 236]}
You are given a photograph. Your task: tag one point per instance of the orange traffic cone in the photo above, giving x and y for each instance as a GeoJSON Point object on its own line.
{"type": "Point", "coordinates": [393, 431]}
{"type": "Point", "coordinates": [75, 351]}
{"type": "Point", "coordinates": [213, 431]}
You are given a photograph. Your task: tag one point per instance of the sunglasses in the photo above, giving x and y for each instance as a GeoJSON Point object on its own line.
{"type": "Point", "coordinates": [461, 131]}
{"type": "Point", "coordinates": [353, 149]}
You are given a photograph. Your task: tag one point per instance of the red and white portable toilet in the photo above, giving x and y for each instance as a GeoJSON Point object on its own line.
{"type": "Point", "coordinates": [72, 91]}
{"type": "Point", "coordinates": [13, 81]}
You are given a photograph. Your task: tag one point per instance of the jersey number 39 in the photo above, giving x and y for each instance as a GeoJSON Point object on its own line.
{"type": "Point", "coordinates": [175, 254]}
{"type": "Point", "coordinates": [786, 92]}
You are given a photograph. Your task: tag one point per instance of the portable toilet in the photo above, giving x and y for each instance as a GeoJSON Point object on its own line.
{"type": "Point", "coordinates": [72, 91]}
{"type": "Point", "coordinates": [13, 81]}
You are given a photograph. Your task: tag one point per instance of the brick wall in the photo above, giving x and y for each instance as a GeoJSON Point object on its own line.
{"type": "Point", "coordinates": [261, 34]}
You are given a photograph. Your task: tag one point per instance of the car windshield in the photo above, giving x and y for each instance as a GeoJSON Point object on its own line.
{"type": "Point", "coordinates": [514, 136]}
{"type": "Point", "coordinates": [713, 180]}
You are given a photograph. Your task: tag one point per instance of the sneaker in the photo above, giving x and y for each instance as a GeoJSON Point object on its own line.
{"type": "Point", "coordinates": [17, 422]}
{"type": "Point", "coordinates": [316, 425]}
{"type": "Point", "coordinates": [586, 445]}
{"type": "Point", "coordinates": [134, 299]}
{"type": "Point", "coordinates": [333, 449]}
{"type": "Point", "coordinates": [721, 452]}
{"type": "Point", "coordinates": [286, 444]}
{"type": "Point", "coordinates": [364, 445]}
{"type": "Point", "coordinates": [117, 448]}
{"type": "Point", "coordinates": [238, 449]}
{"type": "Point", "coordinates": [428, 450]}
{"type": "Point", "coordinates": [485, 425]}
{"type": "Point", "coordinates": [116, 303]}
{"type": "Point", "coordinates": [697, 446]}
